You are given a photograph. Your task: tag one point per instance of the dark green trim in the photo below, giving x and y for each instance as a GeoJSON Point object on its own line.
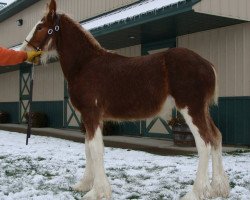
{"type": "Point", "coordinates": [52, 109]}
{"type": "Point", "coordinates": [175, 9]}
{"type": "Point", "coordinates": [15, 8]}
{"type": "Point", "coordinates": [72, 115]}
{"type": "Point", "coordinates": [232, 116]}
{"type": "Point", "coordinates": [25, 68]}
{"type": "Point", "coordinates": [12, 108]}
{"type": "Point", "coordinates": [129, 128]}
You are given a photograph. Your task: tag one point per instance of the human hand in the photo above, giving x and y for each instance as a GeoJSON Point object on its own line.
{"type": "Point", "coordinates": [33, 56]}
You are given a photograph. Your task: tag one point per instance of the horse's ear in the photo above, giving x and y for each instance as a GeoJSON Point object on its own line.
{"type": "Point", "coordinates": [52, 6]}
{"type": "Point", "coordinates": [51, 9]}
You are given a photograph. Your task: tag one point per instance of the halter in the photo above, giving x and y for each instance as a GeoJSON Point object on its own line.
{"type": "Point", "coordinates": [56, 28]}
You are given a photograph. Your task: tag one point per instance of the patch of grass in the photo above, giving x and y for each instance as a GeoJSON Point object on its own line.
{"type": "Point", "coordinates": [40, 159]}
{"type": "Point", "coordinates": [48, 174]}
{"type": "Point", "coordinates": [134, 196]}
{"type": "Point", "coordinates": [155, 168]}
{"type": "Point", "coordinates": [232, 184]}
{"type": "Point", "coordinates": [161, 197]}
{"type": "Point", "coordinates": [3, 157]}
{"type": "Point", "coordinates": [144, 177]}
{"type": "Point", "coordinates": [238, 152]}
{"type": "Point", "coordinates": [10, 172]}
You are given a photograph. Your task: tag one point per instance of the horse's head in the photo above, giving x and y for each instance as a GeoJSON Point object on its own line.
{"type": "Point", "coordinates": [43, 35]}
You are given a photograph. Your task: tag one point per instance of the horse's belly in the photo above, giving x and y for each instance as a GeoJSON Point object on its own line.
{"type": "Point", "coordinates": [138, 106]}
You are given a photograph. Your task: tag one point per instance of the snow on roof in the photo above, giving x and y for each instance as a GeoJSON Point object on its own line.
{"type": "Point", "coordinates": [2, 5]}
{"type": "Point", "coordinates": [129, 12]}
{"type": "Point", "coordinates": [17, 47]}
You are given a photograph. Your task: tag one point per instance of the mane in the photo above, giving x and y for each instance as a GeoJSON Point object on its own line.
{"type": "Point", "coordinates": [85, 33]}
{"type": "Point", "coordinates": [51, 53]}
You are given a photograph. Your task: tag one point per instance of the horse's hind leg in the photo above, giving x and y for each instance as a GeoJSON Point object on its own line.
{"type": "Point", "coordinates": [198, 125]}
{"type": "Point", "coordinates": [220, 183]}
{"type": "Point", "coordinates": [101, 187]}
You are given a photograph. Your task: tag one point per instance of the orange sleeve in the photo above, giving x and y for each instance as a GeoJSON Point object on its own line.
{"type": "Point", "coordinates": [11, 57]}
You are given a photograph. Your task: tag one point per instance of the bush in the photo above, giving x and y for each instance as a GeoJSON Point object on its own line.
{"type": "Point", "coordinates": [38, 119]}
{"type": "Point", "coordinates": [4, 117]}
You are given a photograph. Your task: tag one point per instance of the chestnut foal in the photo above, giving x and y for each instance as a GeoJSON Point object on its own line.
{"type": "Point", "coordinates": [106, 86]}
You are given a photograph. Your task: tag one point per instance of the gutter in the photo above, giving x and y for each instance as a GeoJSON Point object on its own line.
{"type": "Point", "coordinates": [143, 18]}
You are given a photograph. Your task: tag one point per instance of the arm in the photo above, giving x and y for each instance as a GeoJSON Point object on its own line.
{"type": "Point", "coordinates": [11, 57]}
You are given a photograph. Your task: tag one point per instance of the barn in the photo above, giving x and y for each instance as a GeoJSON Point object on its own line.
{"type": "Point", "coordinates": [218, 30]}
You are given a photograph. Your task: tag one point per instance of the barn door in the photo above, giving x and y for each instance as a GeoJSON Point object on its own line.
{"type": "Point", "coordinates": [25, 78]}
{"type": "Point", "coordinates": [158, 127]}
{"type": "Point", "coordinates": [72, 118]}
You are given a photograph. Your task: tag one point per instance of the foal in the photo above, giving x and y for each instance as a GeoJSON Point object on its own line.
{"type": "Point", "coordinates": [106, 86]}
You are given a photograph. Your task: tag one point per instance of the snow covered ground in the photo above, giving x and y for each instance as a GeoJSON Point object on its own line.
{"type": "Point", "coordinates": [47, 167]}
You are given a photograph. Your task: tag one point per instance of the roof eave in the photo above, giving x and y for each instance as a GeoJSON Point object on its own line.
{"type": "Point", "coordinates": [15, 8]}
{"type": "Point", "coordinates": [144, 18]}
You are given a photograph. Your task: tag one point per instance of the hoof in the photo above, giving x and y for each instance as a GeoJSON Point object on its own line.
{"type": "Point", "coordinates": [201, 192]}
{"type": "Point", "coordinates": [189, 196]}
{"type": "Point", "coordinates": [220, 187]}
{"type": "Point", "coordinates": [83, 186]}
{"type": "Point", "coordinates": [94, 195]}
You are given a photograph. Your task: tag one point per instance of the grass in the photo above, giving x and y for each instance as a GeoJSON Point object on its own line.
{"type": "Point", "coordinates": [238, 152]}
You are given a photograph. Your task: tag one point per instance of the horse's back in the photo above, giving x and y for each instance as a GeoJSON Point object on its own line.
{"type": "Point", "coordinates": [191, 78]}
{"type": "Point", "coordinates": [136, 86]}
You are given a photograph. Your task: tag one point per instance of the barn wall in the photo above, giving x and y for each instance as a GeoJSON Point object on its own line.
{"type": "Point", "coordinates": [11, 34]}
{"type": "Point", "coordinates": [9, 87]}
{"type": "Point", "coordinates": [130, 51]}
{"type": "Point", "coordinates": [228, 49]}
{"type": "Point", "coordinates": [48, 83]}
{"type": "Point", "coordinates": [237, 9]}
{"type": "Point", "coordinates": [9, 94]}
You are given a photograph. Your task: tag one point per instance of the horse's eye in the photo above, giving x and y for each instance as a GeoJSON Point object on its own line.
{"type": "Point", "coordinates": [39, 28]}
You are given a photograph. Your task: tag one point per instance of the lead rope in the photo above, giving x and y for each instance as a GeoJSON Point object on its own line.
{"type": "Point", "coordinates": [30, 102]}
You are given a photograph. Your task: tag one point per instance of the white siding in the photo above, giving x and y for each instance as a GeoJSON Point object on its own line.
{"type": "Point", "coordinates": [130, 51]}
{"type": "Point", "coordinates": [48, 83]}
{"type": "Point", "coordinates": [238, 9]}
{"type": "Point", "coordinates": [9, 87]}
{"type": "Point", "coordinates": [228, 49]}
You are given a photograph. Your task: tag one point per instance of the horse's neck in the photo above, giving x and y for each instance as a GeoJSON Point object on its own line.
{"type": "Point", "coordinates": [75, 47]}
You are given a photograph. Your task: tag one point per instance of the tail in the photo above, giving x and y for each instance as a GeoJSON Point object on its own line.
{"type": "Point", "coordinates": [216, 89]}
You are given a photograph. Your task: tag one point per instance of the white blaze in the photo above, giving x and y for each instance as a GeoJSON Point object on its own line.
{"type": "Point", "coordinates": [28, 38]}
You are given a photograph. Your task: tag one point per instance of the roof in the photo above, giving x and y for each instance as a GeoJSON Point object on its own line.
{"type": "Point", "coordinates": [2, 5]}
{"type": "Point", "coordinates": [14, 8]}
{"type": "Point", "coordinates": [129, 12]}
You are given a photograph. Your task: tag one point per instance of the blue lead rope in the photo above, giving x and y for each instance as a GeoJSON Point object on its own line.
{"type": "Point", "coordinates": [30, 104]}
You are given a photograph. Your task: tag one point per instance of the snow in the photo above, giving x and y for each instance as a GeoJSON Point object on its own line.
{"type": "Point", "coordinates": [7, 1]}
{"type": "Point", "coordinates": [129, 12]}
{"type": "Point", "coordinates": [47, 167]}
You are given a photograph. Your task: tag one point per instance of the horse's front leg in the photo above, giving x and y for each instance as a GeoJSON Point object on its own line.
{"type": "Point", "coordinates": [86, 183]}
{"type": "Point", "coordinates": [101, 187]}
